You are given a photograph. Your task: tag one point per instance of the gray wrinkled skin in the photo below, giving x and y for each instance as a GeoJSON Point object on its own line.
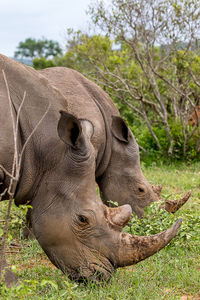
{"type": "Point", "coordinates": [79, 234]}
{"type": "Point", "coordinates": [118, 171]}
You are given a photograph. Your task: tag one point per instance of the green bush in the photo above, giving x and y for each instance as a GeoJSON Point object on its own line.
{"type": "Point", "coordinates": [153, 154]}
{"type": "Point", "coordinates": [42, 63]}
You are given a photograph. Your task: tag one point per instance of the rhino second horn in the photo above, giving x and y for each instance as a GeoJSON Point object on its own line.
{"type": "Point", "coordinates": [119, 216]}
{"type": "Point", "coordinates": [157, 189]}
{"type": "Point", "coordinates": [173, 205]}
{"type": "Point", "coordinates": [136, 248]}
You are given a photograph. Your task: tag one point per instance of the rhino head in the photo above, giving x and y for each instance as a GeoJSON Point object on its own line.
{"type": "Point", "coordinates": [123, 180]}
{"type": "Point", "coordinates": [79, 234]}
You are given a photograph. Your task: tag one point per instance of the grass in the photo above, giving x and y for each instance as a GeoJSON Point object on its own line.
{"type": "Point", "coordinates": [173, 273]}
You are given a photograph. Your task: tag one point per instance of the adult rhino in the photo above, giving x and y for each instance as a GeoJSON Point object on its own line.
{"type": "Point", "coordinates": [79, 234]}
{"type": "Point", "coordinates": [118, 172]}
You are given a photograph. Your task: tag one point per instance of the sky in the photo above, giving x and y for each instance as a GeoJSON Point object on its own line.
{"type": "Point", "coordinates": [21, 19]}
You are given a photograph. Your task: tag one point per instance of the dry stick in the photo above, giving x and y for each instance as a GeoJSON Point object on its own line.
{"type": "Point", "coordinates": [5, 171]}
{"type": "Point", "coordinates": [11, 185]}
{"type": "Point", "coordinates": [17, 159]}
{"type": "Point", "coordinates": [3, 193]}
{"type": "Point", "coordinates": [33, 131]}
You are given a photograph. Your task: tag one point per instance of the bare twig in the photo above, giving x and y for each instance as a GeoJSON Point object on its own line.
{"type": "Point", "coordinates": [33, 131]}
{"type": "Point", "coordinates": [6, 172]}
{"type": "Point", "coordinates": [3, 193]}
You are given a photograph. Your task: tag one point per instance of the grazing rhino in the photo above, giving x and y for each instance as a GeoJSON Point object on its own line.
{"type": "Point", "coordinates": [118, 172]}
{"type": "Point", "coordinates": [79, 234]}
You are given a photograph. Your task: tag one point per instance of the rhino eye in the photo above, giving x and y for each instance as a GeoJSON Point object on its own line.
{"type": "Point", "coordinates": [141, 190]}
{"type": "Point", "coordinates": [82, 219]}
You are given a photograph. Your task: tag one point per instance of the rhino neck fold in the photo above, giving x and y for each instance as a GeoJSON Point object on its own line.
{"type": "Point", "coordinates": [103, 161]}
{"type": "Point", "coordinates": [103, 158]}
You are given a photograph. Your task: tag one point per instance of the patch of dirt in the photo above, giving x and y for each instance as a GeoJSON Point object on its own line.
{"type": "Point", "coordinates": [186, 297]}
{"type": "Point", "coordinates": [189, 297]}
{"type": "Point", "coordinates": [128, 269]}
{"type": "Point", "coordinates": [32, 263]}
{"type": "Point", "coordinates": [183, 297]}
{"type": "Point", "coordinates": [198, 269]}
{"type": "Point", "coordinates": [13, 256]}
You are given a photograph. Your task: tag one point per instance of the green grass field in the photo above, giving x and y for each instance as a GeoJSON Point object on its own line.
{"type": "Point", "coordinates": [173, 273]}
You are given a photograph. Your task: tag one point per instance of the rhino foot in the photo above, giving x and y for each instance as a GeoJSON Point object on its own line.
{"type": "Point", "coordinates": [8, 277]}
{"type": "Point", "coordinates": [28, 233]}
{"type": "Point", "coordinates": [27, 230]}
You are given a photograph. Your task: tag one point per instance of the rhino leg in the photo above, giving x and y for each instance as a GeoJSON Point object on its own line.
{"type": "Point", "coordinates": [27, 231]}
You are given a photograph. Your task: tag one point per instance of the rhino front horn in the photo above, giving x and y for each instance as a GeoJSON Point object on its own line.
{"type": "Point", "coordinates": [135, 248]}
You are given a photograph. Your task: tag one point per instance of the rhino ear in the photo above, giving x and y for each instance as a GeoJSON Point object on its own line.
{"type": "Point", "coordinates": [69, 129]}
{"type": "Point", "coordinates": [88, 127]}
{"type": "Point", "coordinates": [120, 129]}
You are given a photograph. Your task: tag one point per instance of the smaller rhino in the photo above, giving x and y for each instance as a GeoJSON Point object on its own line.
{"type": "Point", "coordinates": [118, 172]}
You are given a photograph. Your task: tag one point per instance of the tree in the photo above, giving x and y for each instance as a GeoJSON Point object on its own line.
{"type": "Point", "coordinates": [160, 79]}
{"type": "Point", "coordinates": [33, 48]}
{"type": "Point", "coordinates": [43, 63]}
{"type": "Point", "coordinates": [88, 54]}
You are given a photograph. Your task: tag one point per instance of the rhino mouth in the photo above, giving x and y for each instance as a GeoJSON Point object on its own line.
{"type": "Point", "coordinates": [94, 272]}
{"type": "Point", "coordinates": [101, 272]}
{"type": "Point", "coordinates": [138, 210]}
